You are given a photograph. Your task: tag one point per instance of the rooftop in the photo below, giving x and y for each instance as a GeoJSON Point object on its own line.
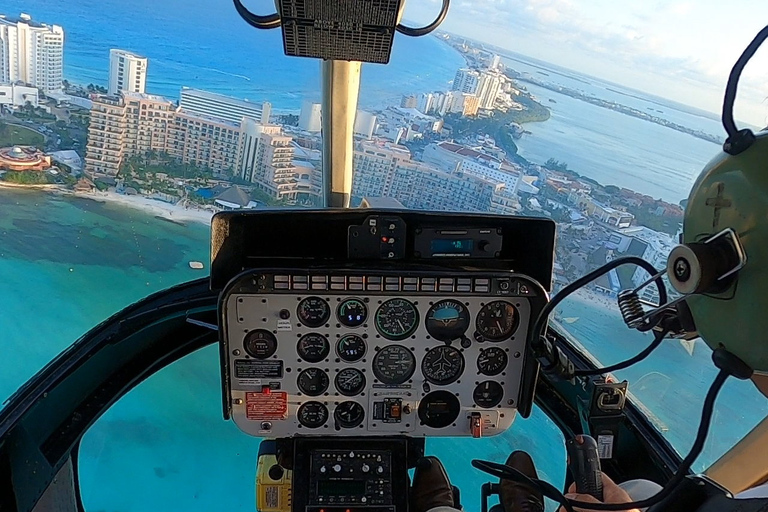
{"type": "Point", "coordinates": [465, 151]}
{"type": "Point", "coordinates": [24, 18]}
{"type": "Point", "coordinates": [190, 91]}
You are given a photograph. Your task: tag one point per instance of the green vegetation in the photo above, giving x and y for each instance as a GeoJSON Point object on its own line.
{"type": "Point", "coordinates": [15, 135]}
{"type": "Point", "coordinates": [97, 89]}
{"type": "Point", "coordinates": [30, 113]}
{"type": "Point", "coordinates": [556, 165]}
{"type": "Point", "coordinates": [27, 177]}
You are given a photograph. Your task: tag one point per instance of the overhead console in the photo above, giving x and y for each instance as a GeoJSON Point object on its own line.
{"type": "Point", "coordinates": [378, 323]}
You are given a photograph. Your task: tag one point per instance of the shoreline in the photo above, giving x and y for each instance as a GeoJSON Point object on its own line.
{"type": "Point", "coordinates": [161, 210]}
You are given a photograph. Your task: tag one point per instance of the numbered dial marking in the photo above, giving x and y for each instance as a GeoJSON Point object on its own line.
{"type": "Point", "coordinates": [313, 382]}
{"type": "Point", "coordinates": [442, 365]}
{"type": "Point", "coordinates": [260, 344]}
{"type": "Point", "coordinates": [492, 361]}
{"type": "Point", "coordinates": [352, 312]}
{"type": "Point", "coordinates": [497, 320]}
{"type": "Point", "coordinates": [349, 414]}
{"type": "Point", "coordinates": [350, 348]}
{"type": "Point", "coordinates": [396, 319]}
{"type": "Point", "coordinates": [312, 414]}
{"type": "Point", "coordinates": [447, 320]}
{"type": "Point", "coordinates": [313, 311]}
{"type": "Point", "coordinates": [394, 364]}
{"type": "Point", "coordinates": [350, 382]}
{"type": "Point", "coordinates": [313, 347]}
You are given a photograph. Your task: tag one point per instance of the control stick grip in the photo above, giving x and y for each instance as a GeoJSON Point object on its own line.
{"type": "Point", "coordinates": [584, 463]}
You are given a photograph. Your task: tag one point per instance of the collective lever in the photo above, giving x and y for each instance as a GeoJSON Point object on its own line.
{"type": "Point", "coordinates": [584, 463]}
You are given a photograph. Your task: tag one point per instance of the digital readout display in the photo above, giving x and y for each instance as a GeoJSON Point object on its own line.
{"type": "Point", "coordinates": [341, 487]}
{"type": "Point", "coordinates": [452, 245]}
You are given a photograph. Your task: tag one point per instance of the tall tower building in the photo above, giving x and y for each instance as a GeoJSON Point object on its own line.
{"type": "Point", "coordinates": [488, 89]}
{"type": "Point", "coordinates": [266, 157]}
{"type": "Point", "coordinates": [409, 101]}
{"type": "Point", "coordinates": [31, 52]}
{"type": "Point", "coordinates": [310, 119]}
{"type": "Point", "coordinates": [466, 81]}
{"type": "Point", "coordinates": [231, 109]}
{"type": "Point", "coordinates": [127, 72]}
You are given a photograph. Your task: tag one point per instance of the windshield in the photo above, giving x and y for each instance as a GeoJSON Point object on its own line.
{"type": "Point", "coordinates": [136, 121]}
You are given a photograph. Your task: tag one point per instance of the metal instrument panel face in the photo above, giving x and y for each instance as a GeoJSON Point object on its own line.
{"type": "Point", "coordinates": [364, 358]}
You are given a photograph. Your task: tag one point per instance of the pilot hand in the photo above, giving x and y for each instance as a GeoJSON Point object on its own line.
{"type": "Point", "coordinates": [612, 493]}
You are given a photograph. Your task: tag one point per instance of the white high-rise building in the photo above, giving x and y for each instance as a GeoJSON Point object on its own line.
{"type": "Point", "coordinates": [488, 89]}
{"type": "Point", "coordinates": [466, 81]}
{"type": "Point", "coordinates": [127, 72]}
{"type": "Point", "coordinates": [31, 52]}
{"type": "Point", "coordinates": [224, 107]}
{"type": "Point", "coordinates": [310, 119]}
{"type": "Point", "coordinates": [365, 124]}
{"type": "Point", "coordinates": [495, 63]}
{"type": "Point", "coordinates": [426, 101]}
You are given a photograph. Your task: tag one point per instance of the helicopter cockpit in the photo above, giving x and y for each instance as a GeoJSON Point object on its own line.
{"type": "Point", "coordinates": [341, 347]}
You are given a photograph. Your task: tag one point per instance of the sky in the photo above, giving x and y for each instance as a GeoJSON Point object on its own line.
{"type": "Point", "coordinates": [682, 50]}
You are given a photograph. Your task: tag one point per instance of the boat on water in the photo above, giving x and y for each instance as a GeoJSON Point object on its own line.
{"type": "Point", "coordinates": [196, 265]}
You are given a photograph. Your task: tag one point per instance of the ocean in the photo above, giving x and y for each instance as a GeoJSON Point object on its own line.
{"type": "Point", "coordinates": [74, 261]}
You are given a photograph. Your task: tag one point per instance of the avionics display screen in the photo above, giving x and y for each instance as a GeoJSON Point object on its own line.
{"type": "Point", "coordinates": [341, 487]}
{"type": "Point", "coordinates": [452, 245]}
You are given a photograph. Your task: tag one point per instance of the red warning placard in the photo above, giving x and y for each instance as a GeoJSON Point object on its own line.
{"type": "Point", "coordinates": [266, 406]}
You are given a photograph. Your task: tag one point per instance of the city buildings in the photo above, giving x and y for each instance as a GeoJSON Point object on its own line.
{"type": "Point", "coordinates": [365, 124]}
{"type": "Point", "coordinates": [471, 105]}
{"type": "Point", "coordinates": [231, 109]}
{"type": "Point", "coordinates": [31, 52]}
{"type": "Point", "coordinates": [104, 150]}
{"type": "Point", "coordinates": [495, 64]}
{"type": "Point", "coordinates": [488, 88]}
{"type": "Point", "coordinates": [453, 157]}
{"type": "Point", "coordinates": [466, 81]}
{"type": "Point", "coordinates": [266, 159]}
{"type": "Point", "coordinates": [205, 141]}
{"type": "Point", "coordinates": [411, 101]}
{"type": "Point", "coordinates": [127, 72]}
{"type": "Point", "coordinates": [15, 95]}
{"type": "Point", "coordinates": [310, 119]}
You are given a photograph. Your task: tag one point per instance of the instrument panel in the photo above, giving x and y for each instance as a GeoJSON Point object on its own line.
{"type": "Point", "coordinates": [371, 353]}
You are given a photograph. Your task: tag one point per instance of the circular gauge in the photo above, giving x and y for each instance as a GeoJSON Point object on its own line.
{"type": "Point", "coordinates": [396, 319]}
{"type": "Point", "coordinates": [497, 320]}
{"type": "Point", "coordinates": [442, 365]}
{"type": "Point", "coordinates": [313, 382]}
{"type": "Point", "coordinates": [488, 394]}
{"type": "Point", "coordinates": [447, 320]}
{"type": "Point", "coordinates": [313, 311]}
{"type": "Point", "coordinates": [351, 348]}
{"type": "Point", "coordinates": [492, 361]}
{"type": "Point", "coordinates": [394, 364]}
{"type": "Point", "coordinates": [350, 381]}
{"type": "Point", "coordinates": [439, 409]}
{"type": "Point", "coordinates": [313, 347]}
{"type": "Point", "coordinates": [312, 414]}
{"type": "Point", "coordinates": [260, 344]}
{"type": "Point", "coordinates": [349, 414]}
{"type": "Point", "coordinates": [352, 312]}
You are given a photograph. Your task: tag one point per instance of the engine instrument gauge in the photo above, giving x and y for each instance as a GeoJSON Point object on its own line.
{"type": "Point", "coordinates": [313, 347]}
{"type": "Point", "coordinates": [313, 311]}
{"type": "Point", "coordinates": [350, 382]}
{"type": "Point", "coordinates": [260, 344]}
{"type": "Point", "coordinates": [352, 312]}
{"type": "Point", "coordinates": [349, 414]}
{"type": "Point", "coordinates": [394, 364]}
{"type": "Point", "coordinates": [396, 319]}
{"type": "Point", "coordinates": [497, 320]}
{"type": "Point", "coordinates": [313, 382]}
{"type": "Point", "coordinates": [312, 414]}
{"type": "Point", "coordinates": [488, 394]}
{"type": "Point", "coordinates": [350, 348]}
{"type": "Point", "coordinates": [442, 365]}
{"type": "Point", "coordinates": [439, 409]}
{"type": "Point", "coordinates": [492, 361]}
{"type": "Point", "coordinates": [447, 320]}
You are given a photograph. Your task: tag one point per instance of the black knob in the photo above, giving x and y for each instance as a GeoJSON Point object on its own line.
{"type": "Point", "coordinates": [275, 472]}
{"type": "Point", "coordinates": [285, 314]}
{"type": "Point", "coordinates": [482, 245]}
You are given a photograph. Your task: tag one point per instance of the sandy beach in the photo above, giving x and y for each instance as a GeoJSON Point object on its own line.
{"type": "Point", "coordinates": [167, 211]}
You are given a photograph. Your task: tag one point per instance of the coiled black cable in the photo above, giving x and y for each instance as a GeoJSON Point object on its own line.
{"type": "Point", "coordinates": [658, 337]}
{"type": "Point", "coordinates": [733, 81]}
{"type": "Point", "coordinates": [255, 20]}
{"type": "Point", "coordinates": [422, 31]}
{"type": "Point", "coordinates": [548, 490]}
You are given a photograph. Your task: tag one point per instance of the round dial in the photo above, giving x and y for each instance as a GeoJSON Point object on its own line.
{"type": "Point", "coordinates": [350, 381]}
{"type": "Point", "coordinates": [497, 320]}
{"type": "Point", "coordinates": [350, 348]}
{"type": "Point", "coordinates": [488, 394]}
{"type": "Point", "coordinates": [352, 313]}
{"type": "Point", "coordinates": [312, 414]}
{"type": "Point", "coordinates": [349, 414]}
{"type": "Point", "coordinates": [260, 344]}
{"type": "Point", "coordinates": [442, 365]}
{"type": "Point", "coordinates": [394, 364]}
{"type": "Point", "coordinates": [313, 347]}
{"type": "Point", "coordinates": [439, 409]}
{"type": "Point", "coordinates": [313, 311]}
{"type": "Point", "coordinates": [396, 319]}
{"type": "Point", "coordinates": [313, 382]}
{"type": "Point", "coordinates": [447, 320]}
{"type": "Point", "coordinates": [492, 361]}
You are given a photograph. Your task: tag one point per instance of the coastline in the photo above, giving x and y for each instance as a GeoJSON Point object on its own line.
{"type": "Point", "coordinates": [175, 213]}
